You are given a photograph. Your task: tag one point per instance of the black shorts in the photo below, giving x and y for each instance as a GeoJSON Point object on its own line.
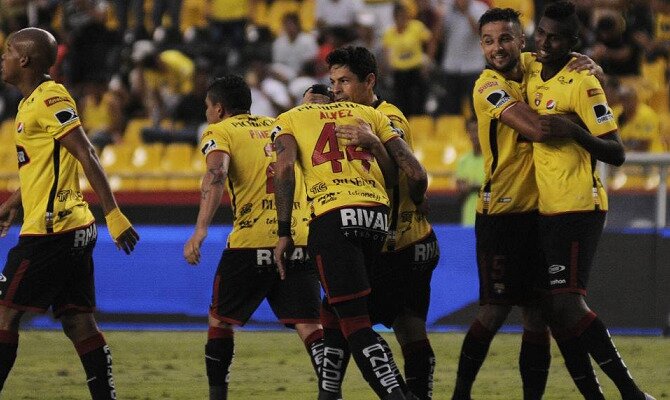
{"type": "Point", "coordinates": [569, 242]}
{"type": "Point", "coordinates": [401, 281]}
{"type": "Point", "coordinates": [51, 271]}
{"type": "Point", "coordinates": [245, 277]}
{"type": "Point", "coordinates": [509, 259]}
{"type": "Point", "coordinates": [343, 244]}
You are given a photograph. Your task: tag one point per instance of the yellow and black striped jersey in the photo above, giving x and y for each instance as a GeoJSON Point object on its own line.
{"type": "Point", "coordinates": [565, 172]}
{"type": "Point", "coordinates": [246, 139]}
{"type": "Point", "coordinates": [407, 224]}
{"type": "Point", "coordinates": [336, 174]}
{"type": "Point", "coordinates": [50, 195]}
{"type": "Point", "coordinates": [509, 175]}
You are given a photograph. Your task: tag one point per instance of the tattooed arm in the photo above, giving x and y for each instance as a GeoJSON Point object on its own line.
{"type": "Point", "coordinates": [284, 182]}
{"type": "Point", "coordinates": [417, 179]}
{"type": "Point", "coordinates": [211, 192]}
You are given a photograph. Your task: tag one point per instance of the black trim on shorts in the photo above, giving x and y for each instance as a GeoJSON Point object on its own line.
{"type": "Point", "coordinates": [54, 187]}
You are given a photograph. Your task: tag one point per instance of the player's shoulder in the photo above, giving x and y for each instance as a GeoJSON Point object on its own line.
{"type": "Point", "coordinates": [488, 80]}
{"type": "Point", "coordinates": [51, 93]}
{"type": "Point", "coordinates": [391, 111]}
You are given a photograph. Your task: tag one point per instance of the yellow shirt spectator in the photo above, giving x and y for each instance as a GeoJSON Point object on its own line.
{"type": "Point", "coordinates": [405, 49]}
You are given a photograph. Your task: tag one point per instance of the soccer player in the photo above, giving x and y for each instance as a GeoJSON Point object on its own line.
{"type": "Point", "coordinates": [349, 219]}
{"type": "Point", "coordinates": [52, 265]}
{"type": "Point", "coordinates": [237, 148]}
{"type": "Point", "coordinates": [572, 201]}
{"type": "Point", "coordinates": [401, 280]}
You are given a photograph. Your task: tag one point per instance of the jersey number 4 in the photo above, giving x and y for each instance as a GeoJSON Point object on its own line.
{"type": "Point", "coordinates": [333, 155]}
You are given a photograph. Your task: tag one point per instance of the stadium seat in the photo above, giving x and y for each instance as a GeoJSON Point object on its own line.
{"type": "Point", "coordinates": [116, 159]}
{"type": "Point", "coordinates": [421, 126]}
{"type": "Point", "coordinates": [451, 130]}
{"type": "Point", "coordinates": [440, 162]}
{"type": "Point", "coordinates": [133, 132]}
{"type": "Point", "coordinates": [146, 164]}
{"type": "Point", "coordinates": [178, 166]}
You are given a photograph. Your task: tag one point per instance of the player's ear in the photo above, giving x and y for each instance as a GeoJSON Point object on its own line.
{"type": "Point", "coordinates": [24, 61]}
{"type": "Point", "coordinates": [371, 79]}
{"type": "Point", "coordinates": [220, 110]}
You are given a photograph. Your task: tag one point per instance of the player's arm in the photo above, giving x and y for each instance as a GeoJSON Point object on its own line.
{"type": "Point", "coordinates": [119, 227]}
{"type": "Point", "coordinates": [8, 211]}
{"type": "Point", "coordinates": [360, 134]}
{"type": "Point", "coordinates": [582, 62]}
{"type": "Point", "coordinates": [417, 178]}
{"type": "Point", "coordinates": [211, 191]}
{"type": "Point", "coordinates": [606, 148]}
{"type": "Point", "coordinates": [523, 119]}
{"type": "Point", "coordinates": [284, 184]}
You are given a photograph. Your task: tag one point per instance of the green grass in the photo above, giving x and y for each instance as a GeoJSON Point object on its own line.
{"type": "Point", "coordinates": [274, 365]}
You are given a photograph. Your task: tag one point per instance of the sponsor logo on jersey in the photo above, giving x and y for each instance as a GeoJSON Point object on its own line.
{"type": "Point", "coordinates": [209, 146]}
{"type": "Point", "coordinates": [603, 113]}
{"type": "Point", "coordinates": [318, 188]}
{"type": "Point", "coordinates": [486, 86]}
{"type": "Point", "coordinates": [498, 98]}
{"type": "Point", "coordinates": [275, 132]}
{"type": "Point", "coordinates": [53, 100]}
{"type": "Point", "coordinates": [246, 209]}
{"type": "Point", "coordinates": [19, 127]}
{"type": "Point", "coordinates": [66, 115]}
{"type": "Point", "coordinates": [554, 269]}
{"type": "Point", "coordinates": [551, 104]}
{"type": "Point", "coordinates": [22, 156]}
{"type": "Point", "coordinates": [564, 81]}
{"type": "Point", "coordinates": [594, 92]}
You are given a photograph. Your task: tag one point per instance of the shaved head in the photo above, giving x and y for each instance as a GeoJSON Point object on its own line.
{"type": "Point", "coordinates": [38, 45]}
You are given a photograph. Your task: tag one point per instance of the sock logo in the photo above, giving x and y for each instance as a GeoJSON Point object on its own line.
{"type": "Point", "coordinates": [331, 369]}
{"type": "Point", "coordinates": [381, 366]}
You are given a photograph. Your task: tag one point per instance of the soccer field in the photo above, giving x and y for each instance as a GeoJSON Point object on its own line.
{"type": "Point", "coordinates": [274, 365]}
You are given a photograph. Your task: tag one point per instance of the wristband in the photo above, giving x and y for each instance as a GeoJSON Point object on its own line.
{"type": "Point", "coordinates": [284, 228]}
{"type": "Point", "coordinates": [117, 223]}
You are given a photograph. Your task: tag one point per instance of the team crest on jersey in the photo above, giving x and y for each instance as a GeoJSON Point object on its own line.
{"type": "Point", "coordinates": [551, 104]}
{"type": "Point", "coordinates": [209, 146]}
{"type": "Point", "coordinates": [538, 99]}
{"type": "Point", "coordinates": [19, 127]}
{"type": "Point", "coordinates": [603, 113]}
{"type": "Point", "coordinates": [498, 98]}
{"type": "Point", "coordinates": [66, 115]}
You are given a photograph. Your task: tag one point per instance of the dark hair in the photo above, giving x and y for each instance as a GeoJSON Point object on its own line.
{"type": "Point", "coordinates": [232, 92]}
{"type": "Point", "coordinates": [358, 59]}
{"type": "Point", "coordinates": [499, 14]}
{"type": "Point", "coordinates": [564, 12]}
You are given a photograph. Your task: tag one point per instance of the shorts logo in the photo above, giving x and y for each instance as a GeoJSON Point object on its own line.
{"type": "Point", "coordinates": [557, 282]}
{"type": "Point", "coordinates": [3, 278]}
{"type": "Point", "coordinates": [209, 146]}
{"type": "Point", "coordinates": [554, 269]}
{"type": "Point", "coordinates": [362, 218]}
{"type": "Point", "coordinates": [83, 237]}
{"type": "Point", "coordinates": [603, 113]}
{"type": "Point", "coordinates": [498, 98]}
{"type": "Point", "coordinates": [66, 115]}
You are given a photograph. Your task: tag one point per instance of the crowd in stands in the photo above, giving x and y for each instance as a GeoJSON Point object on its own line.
{"type": "Point", "coordinates": [139, 69]}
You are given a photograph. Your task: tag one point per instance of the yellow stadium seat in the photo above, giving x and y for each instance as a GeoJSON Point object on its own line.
{"type": "Point", "coordinates": [421, 126]}
{"type": "Point", "coordinates": [146, 164]}
{"type": "Point", "coordinates": [116, 159]}
{"type": "Point", "coordinates": [177, 162]}
{"type": "Point", "coordinates": [133, 132]}
{"type": "Point", "coordinates": [451, 130]}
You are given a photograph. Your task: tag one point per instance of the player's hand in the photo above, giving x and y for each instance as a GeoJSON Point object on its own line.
{"type": "Point", "coordinates": [122, 232]}
{"type": "Point", "coordinates": [555, 126]}
{"type": "Point", "coordinates": [282, 253]}
{"type": "Point", "coordinates": [6, 217]}
{"type": "Point", "coordinates": [582, 62]}
{"type": "Point", "coordinates": [358, 134]}
{"type": "Point", "coordinates": [311, 97]}
{"type": "Point", "coordinates": [192, 246]}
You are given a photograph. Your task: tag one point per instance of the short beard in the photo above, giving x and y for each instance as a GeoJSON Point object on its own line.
{"type": "Point", "coordinates": [508, 67]}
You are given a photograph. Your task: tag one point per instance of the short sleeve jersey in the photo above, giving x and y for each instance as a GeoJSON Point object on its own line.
{"type": "Point", "coordinates": [509, 175]}
{"type": "Point", "coordinates": [408, 226]}
{"type": "Point", "coordinates": [336, 174]}
{"type": "Point", "coordinates": [566, 175]}
{"type": "Point", "coordinates": [406, 48]}
{"type": "Point", "coordinates": [50, 193]}
{"type": "Point", "coordinates": [643, 127]}
{"type": "Point", "coordinates": [246, 139]}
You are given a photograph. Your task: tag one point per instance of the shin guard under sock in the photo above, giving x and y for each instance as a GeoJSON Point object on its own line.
{"type": "Point", "coordinates": [97, 361]}
{"type": "Point", "coordinates": [534, 361]}
{"type": "Point", "coordinates": [475, 347]}
{"type": "Point", "coordinates": [419, 368]}
{"type": "Point", "coordinates": [219, 353]}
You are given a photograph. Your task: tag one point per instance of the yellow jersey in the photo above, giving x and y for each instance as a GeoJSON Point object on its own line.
{"type": "Point", "coordinates": [406, 48]}
{"type": "Point", "coordinates": [644, 127]}
{"type": "Point", "coordinates": [565, 172]}
{"type": "Point", "coordinates": [50, 195]}
{"type": "Point", "coordinates": [407, 224]}
{"type": "Point", "coordinates": [509, 175]}
{"type": "Point", "coordinates": [246, 139]}
{"type": "Point", "coordinates": [336, 174]}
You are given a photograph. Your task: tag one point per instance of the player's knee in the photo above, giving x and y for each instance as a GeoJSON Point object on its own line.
{"type": "Point", "coordinates": [567, 309]}
{"type": "Point", "coordinates": [78, 327]}
{"type": "Point", "coordinates": [9, 318]}
{"type": "Point", "coordinates": [492, 316]}
{"type": "Point", "coordinates": [409, 328]}
{"type": "Point", "coordinates": [534, 318]}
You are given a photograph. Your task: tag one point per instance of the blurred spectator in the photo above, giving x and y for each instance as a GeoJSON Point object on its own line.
{"type": "Point", "coordinates": [9, 101]}
{"type": "Point", "coordinates": [639, 125]}
{"type": "Point", "coordinates": [172, 8]}
{"type": "Point", "coordinates": [616, 53]}
{"type": "Point", "coordinates": [92, 49]}
{"type": "Point", "coordinates": [269, 96]}
{"type": "Point", "coordinates": [470, 175]}
{"type": "Point", "coordinates": [366, 38]}
{"type": "Point", "coordinates": [136, 8]}
{"type": "Point", "coordinates": [307, 77]}
{"type": "Point", "coordinates": [462, 62]}
{"type": "Point", "coordinates": [342, 13]}
{"type": "Point", "coordinates": [101, 113]}
{"type": "Point", "coordinates": [292, 48]}
{"type": "Point", "coordinates": [159, 80]}
{"type": "Point", "coordinates": [403, 44]}
{"type": "Point", "coordinates": [383, 12]}
{"type": "Point", "coordinates": [430, 16]}
{"type": "Point", "coordinates": [227, 23]}
{"type": "Point", "coordinates": [525, 7]}
{"type": "Point", "coordinates": [183, 124]}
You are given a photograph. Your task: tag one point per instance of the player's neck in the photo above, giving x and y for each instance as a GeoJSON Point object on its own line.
{"type": "Point", "coordinates": [515, 74]}
{"type": "Point", "coordinates": [28, 86]}
{"type": "Point", "coordinates": [552, 68]}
